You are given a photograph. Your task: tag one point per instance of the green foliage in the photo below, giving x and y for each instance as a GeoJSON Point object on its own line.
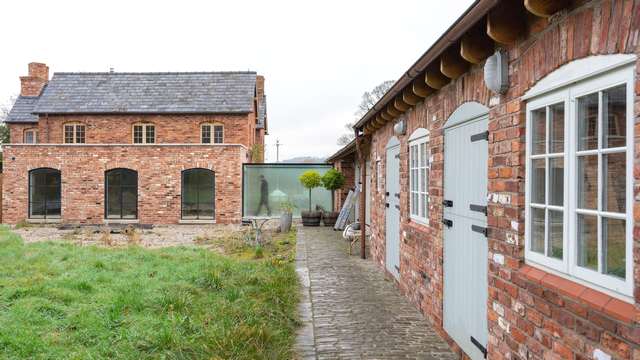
{"type": "Point", "coordinates": [333, 180]}
{"type": "Point", "coordinates": [287, 207]}
{"type": "Point", "coordinates": [310, 179]}
{"type": "Point", "coordinates": [62, 301]}
{"type": "Point", "coordinates": [256, 153]}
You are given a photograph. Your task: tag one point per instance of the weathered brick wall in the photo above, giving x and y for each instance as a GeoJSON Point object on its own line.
{"type": "Point", "coordinates": [529, 316]}
{"type": "Point", "coordinates": [347, 167]}
{"type": "Point", "coordinates": [118, 129]}
{"type": "Point", "coordinates": [159, 178]}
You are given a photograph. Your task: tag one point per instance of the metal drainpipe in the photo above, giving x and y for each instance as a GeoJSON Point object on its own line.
{"type": "Point", "coordinates": [363, 199]}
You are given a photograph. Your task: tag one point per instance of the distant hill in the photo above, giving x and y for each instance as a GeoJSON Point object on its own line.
{"type": "Point", "coordinates": [305, 160]}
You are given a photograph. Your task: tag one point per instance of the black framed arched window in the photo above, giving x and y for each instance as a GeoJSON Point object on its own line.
{"type": "Point", "coordinates": [121, 194]}
{"type": "Point", "coordinates": [44, 193]}
{"type": "Point", "coordinates": [198, 194]}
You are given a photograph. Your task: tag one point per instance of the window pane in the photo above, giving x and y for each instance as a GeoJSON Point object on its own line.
{"type": "Point", "coordinates": [556, 128]}
{"type": "Point", "coordinates": [588, 122]}
{"type": "Point", "coordinates": [587, 181]}
{"type": "Point", "coordinates": [556, 181]}
{"type": "Point", "coordinates": [68, 134]}
{"type": "Point", "coordinates": [537, 181]}
{"type": "Point", "coordinates": [28, 137]}
{"type": "Point", "coordinates": [137, 134]}
{"type": "Point", "coordinates": [555, 234]}
{"type": "Point", "coordinates": [539, 131]}
{"type": "Point", "coordinates": [129, 202]}
{"type": "Point", "coordinates": [614, 247]}
{"type": "Point", "coordinates": [122, 194]}
{"type": "Point", "coordinates": [151, 134]}
{"type": "Point", "coordinates": [614, 102]}
{"type": "Point", "coordinates": [206, 134]}
{"type": "Point", "coordinates": [615, 177]}
{"type": "Point", "coordinates": [218, 134]}
{"type": "Point", "coordinates": [80, 134]}
{"type": "Point", "coordinates": [588, 241]}
{"type": "Point", "coordinates": [537, 230]}
{"type": "Point", "coordinates": [198, 194]}
{"type": "Point", "coordinates": [44, 193]}
{"type": "Point", "coordinates": [423, 206]}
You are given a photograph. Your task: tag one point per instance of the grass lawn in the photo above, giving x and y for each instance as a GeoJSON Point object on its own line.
{"type": "Point", "coordinates": [63, 301]}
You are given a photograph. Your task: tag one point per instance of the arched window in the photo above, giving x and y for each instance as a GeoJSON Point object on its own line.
{"type": "Point", "coordinates": [198, 194]}
{"type": "Point", "coordinates": [121, 192]}
{"type": "Point", "coordinates": [212, 133]}
{"type": "Point", "coordinates": [44, 194]}
{"type": "Point", "coordinates": [30, 136]}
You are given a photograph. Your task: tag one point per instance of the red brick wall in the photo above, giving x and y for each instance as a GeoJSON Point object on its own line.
{"type": "Point", "coordinates": [159, 177]}
{"type": "Point", "coordinates": [347, 167]}
{"type": "Point", "coordinates": [529, 318]}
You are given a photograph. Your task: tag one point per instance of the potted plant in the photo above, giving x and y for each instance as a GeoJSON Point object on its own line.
{"type": "Point", "coordinates": [310, 179]}
{"type": "Point", "coordinates": [332, 181]}
{"type": "Point", "coordinates": [287, 216]}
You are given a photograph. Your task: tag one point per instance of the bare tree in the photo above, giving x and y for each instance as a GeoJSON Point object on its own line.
{"type": "Point", "coordinates": [4, 113]}
{"type": "Point", "coordinates": [369, 98]}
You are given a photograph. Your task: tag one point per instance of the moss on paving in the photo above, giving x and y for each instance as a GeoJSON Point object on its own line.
{"type": "Point", "coordinates": [62, 301]}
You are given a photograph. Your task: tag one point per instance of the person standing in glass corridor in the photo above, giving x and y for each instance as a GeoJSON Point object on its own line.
{"type": "Point", "coordinates": [264, 196]}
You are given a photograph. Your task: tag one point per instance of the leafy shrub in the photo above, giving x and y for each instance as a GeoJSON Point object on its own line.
{"type": "Point", "coordinates": [310, 179]}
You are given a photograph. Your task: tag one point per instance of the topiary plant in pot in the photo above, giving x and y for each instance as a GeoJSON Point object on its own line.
{"type": "Point", "coordinates": [310, 179]}
{"type": "Point", "coordinates": [332, 180]}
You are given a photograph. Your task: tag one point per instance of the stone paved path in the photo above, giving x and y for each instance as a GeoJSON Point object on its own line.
{"type": "Point", "coordinates": [349, 310]}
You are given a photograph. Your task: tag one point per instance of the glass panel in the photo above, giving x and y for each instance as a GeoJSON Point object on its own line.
{"type": "Point", "coordinates": [556, 128]}
{"type": "Point", "coordinates": [537, 230]}
{"type": "Point", "coordinates": [588, 241]}
{"type": "Point", "coordinates": [423, 206]}
{"type": "Point", "coordinates": [282, 184]}
{"type": "Point", "coordinates": [555, 234]}
{"type": "Point", "coordinates": [539, 131]}
{"type": "Point", "coordinates": [151, 134]}
{"type": "Point", "coordinates": [614, 247]}
{"type": "Point", "coordinates": [614, 127]}
{"type": "Point", "coordinates": [80, 134]}
{"type": "Point", "coordinates": [28, 137]}
{"type": "Point", "coordinates": [556, 181]}
{"type": "Point", "coordinates": [537, 181]}
{"type": "Point", "coordinates": [614, 176]}
{"type": "Point", "coordinates": [137, 134]}
{"type": "Point", "coordinates": [206, 134]}
{"type": "Point", "coordinates": [218, 134]}
{"type": "Point", "coordinates": [122, 194]}
{"type": "Point", "coordinates": [588, 122]}
{"type": "Point", "coordinates": [587, 182]}
{"type": "Point", "coordinates": [68, 134]}
{"type": "Point", "coordinates": [44, 193]}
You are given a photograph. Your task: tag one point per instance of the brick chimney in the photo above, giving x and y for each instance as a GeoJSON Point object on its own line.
{"type": "Point", "coordinates": [259, 87]}
{"type": "Point", "coordinates": [38, 77]}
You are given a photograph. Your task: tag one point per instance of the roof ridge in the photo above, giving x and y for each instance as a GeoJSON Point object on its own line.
{"type": "Point", "coordinates": [154, 73]}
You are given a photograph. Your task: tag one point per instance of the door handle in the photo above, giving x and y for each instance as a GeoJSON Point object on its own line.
{"type": "Point", "coordinates": [397, 195]}
{"type": "Point", "coordinates": [386, 204]}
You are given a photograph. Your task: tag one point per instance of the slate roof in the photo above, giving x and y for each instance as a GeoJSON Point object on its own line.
{"type": "Point", "coordinates": [22, 110]}
{"type": "Point", "coordinates": [148, 93]}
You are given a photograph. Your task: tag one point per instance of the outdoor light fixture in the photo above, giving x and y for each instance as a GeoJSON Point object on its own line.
{"type": "Point", "coordinates": [400, 128]}
{"type": "Point", "coordinates": [496, 72]}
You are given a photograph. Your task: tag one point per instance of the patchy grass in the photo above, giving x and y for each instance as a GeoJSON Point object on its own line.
{"type": "Point", "coordinates": [59, 300]}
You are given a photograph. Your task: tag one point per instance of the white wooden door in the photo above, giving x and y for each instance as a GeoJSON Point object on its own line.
{"type": "Point", "coordinates": [392, 210]}
{"type": "Point", "coordinates": [465, 243]}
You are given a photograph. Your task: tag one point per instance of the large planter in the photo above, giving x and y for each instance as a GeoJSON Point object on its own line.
{"type": "Point", "coordinates": [330, 218]}
{"type": "Point", "coordinates": [310, 218]}
{"type": "Point", "coordinates": [285, 222]}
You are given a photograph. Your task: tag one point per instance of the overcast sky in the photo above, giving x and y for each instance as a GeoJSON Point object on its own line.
{"type": "Point", "coordinates": [318, 57]}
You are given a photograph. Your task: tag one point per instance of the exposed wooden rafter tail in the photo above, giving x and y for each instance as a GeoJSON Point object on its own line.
{"type": "Point", "coordinates": [506, 22]}
{"type": "Point", "coordinates": [476, 45]}
{"type": "Point", "coordinates": [545, 8]}
{"type": "Point", "coordinates": [452, 65]}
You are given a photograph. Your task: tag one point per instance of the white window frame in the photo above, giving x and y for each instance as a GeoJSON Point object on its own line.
{"type": "Point", "coordinates": [568, 267]}
{"type": "Point", "coordinates": [419, 138]}
{"type": "Point", "coordinates": [34, 135]}
{"type": "Point", "coordinates": [212, 133]}
{"type": "Point", "coordinates": [75, 127]}
{"type": "Point", "coordinates": [145, 139]}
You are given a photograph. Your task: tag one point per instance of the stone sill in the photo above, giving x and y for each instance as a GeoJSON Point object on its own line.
{"type": "Point", "coordinates": [130, 145]}
{"type": "Point", "coordinates": [121, 221]}
{"type": "Point", "coordinates": [600, 301]}
{"type": "Point", "coordinates": [44, 221]}
{"type": "Point", "coordinates": [196, 222]}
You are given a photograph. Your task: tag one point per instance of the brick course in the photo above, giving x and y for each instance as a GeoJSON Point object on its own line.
{"type": "Point", "coordinates": [528, 318]}
{"type": "Point", "coordinates": [159, 170]}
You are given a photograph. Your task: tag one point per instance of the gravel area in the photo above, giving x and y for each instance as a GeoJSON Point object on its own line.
{"type": "Point", "coordinates": [158, 236]}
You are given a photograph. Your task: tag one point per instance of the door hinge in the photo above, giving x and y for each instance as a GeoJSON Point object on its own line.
{"type": "Point", "coordinates": [397, 156]}
{"type": "Point", "coordinates": [447, 203]}
{"type": "Point", "coordinates": [478, 208]}
{"type": "Point", "coordinates": [448, 223]}
{"type": "Point", "coordinates": [386, 204]}
{"type": "Point", "coordinates": [482, 349]}
{"type": "Point", "coordinates": [397, 195]}
{"type": "Point", "coordinates": [480, 136]}
{"type": "Point", "coordinates": [398, 207]}
{"type": "Point", "coordinates": [397, 268]}
{"type": "Point", "coordinates": [479, 229]}
{"type": "Point", "coordinates": [386, 193]}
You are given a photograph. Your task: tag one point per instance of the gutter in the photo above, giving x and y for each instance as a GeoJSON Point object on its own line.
{"type": "Point", "coordinates": [467, 20]}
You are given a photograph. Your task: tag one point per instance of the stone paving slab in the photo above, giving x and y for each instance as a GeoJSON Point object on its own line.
{"type": "Point", "coordinates": [350, 311]}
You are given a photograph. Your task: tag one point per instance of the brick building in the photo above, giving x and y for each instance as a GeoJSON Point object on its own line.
{"type": "Point", "coordinates": [510, 216]}
{"type": "Point", "coordinates": [143, 148]}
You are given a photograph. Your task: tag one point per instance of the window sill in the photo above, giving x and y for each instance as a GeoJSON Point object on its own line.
{"type": "Point", "coordinates": [121, 221]}
{"type": "Point", "coordinates": [196, 222]}
{"type": "Point", "coordinates": [44, 221]}
{"type": "Point", "coordinates": [598, 300]}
